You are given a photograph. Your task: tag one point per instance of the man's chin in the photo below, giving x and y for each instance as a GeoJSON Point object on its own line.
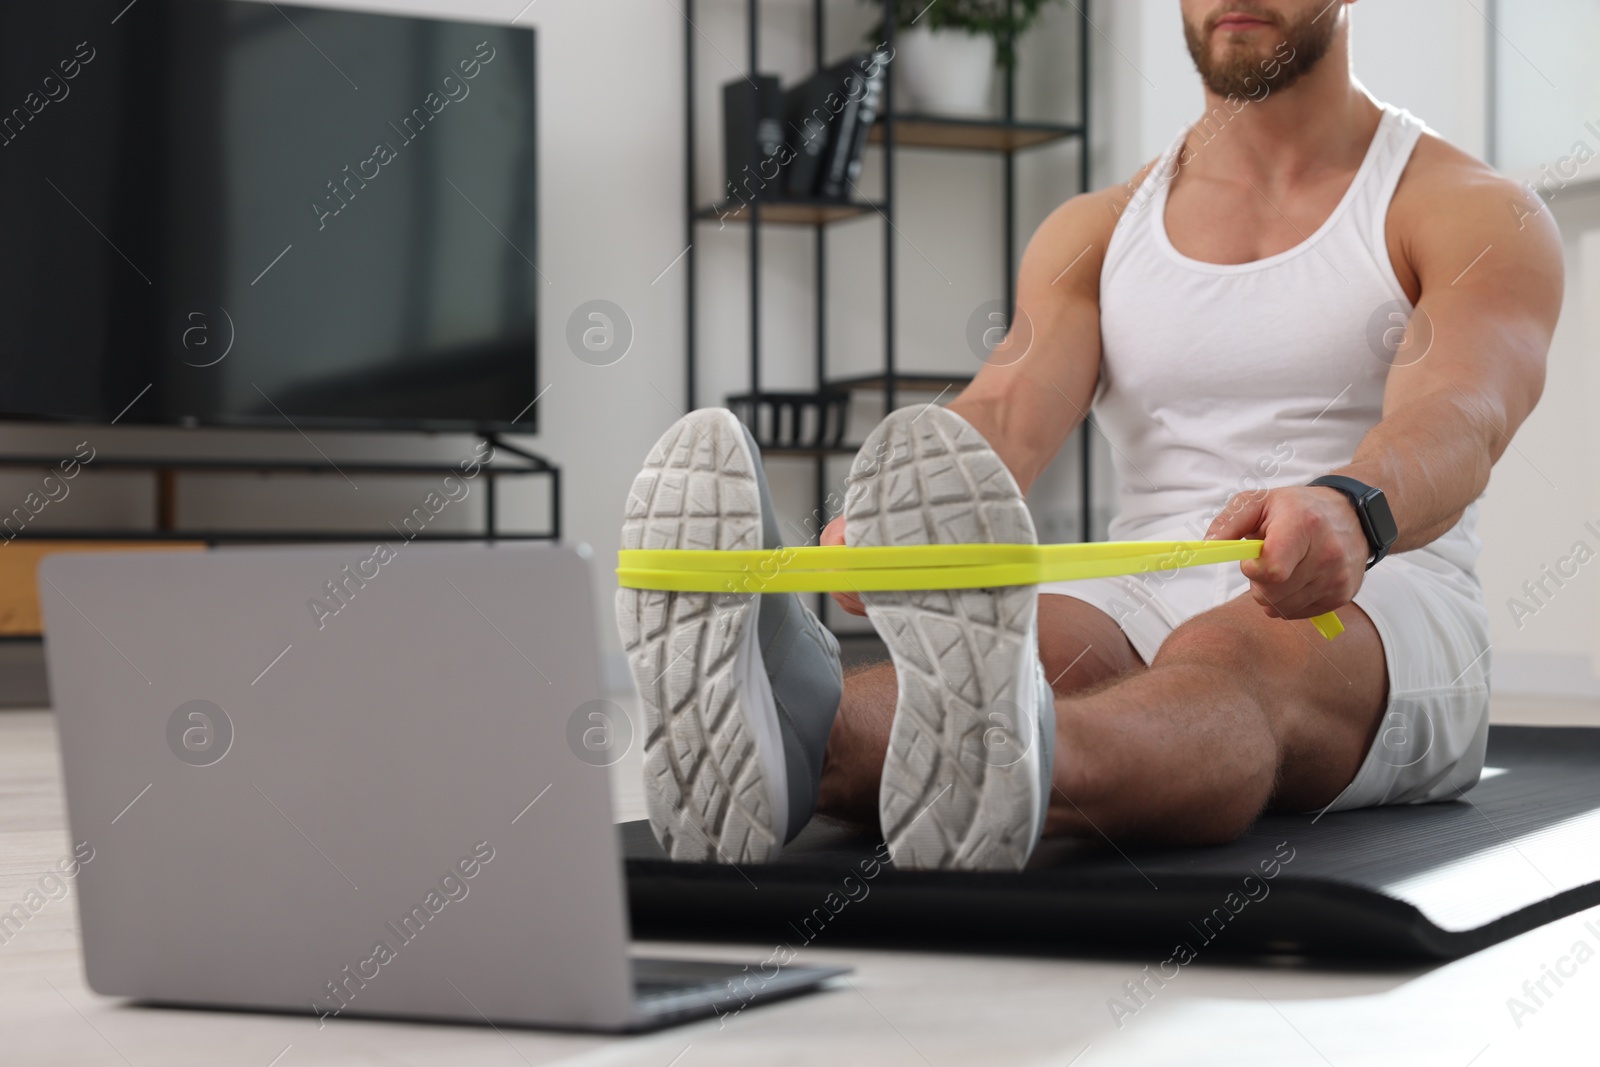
{"type": "Point", "coordinates": [1243, 79]}
{"type": "Point", "coordinates": [1236, 51]}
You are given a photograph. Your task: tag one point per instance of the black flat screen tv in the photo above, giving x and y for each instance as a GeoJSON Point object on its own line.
{"type": "Point", "coordinates": [252, 214]}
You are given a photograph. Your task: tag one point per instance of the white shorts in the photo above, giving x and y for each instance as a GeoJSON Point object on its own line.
{"type": "Point", "coordinates": [1431, 619]}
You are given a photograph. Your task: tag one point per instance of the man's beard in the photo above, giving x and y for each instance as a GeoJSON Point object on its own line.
{"type": "Point", "coordinates": [1240, 72]}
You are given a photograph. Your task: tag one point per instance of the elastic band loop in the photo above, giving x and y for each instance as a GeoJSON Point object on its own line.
{"type": "Point", "coordinates": [897, 568]}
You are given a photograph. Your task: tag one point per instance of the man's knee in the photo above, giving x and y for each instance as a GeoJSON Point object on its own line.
{"type": "Point", "coordinates": [1236, 810]}
{"type": "Point", "coordinates": [1238, 639]}
{"type": "Point", "coordinates": [1080, 645]}
{"type": "Point", "coordinates": [1211, 639]}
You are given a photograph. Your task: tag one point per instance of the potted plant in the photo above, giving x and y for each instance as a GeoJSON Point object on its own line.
{"type": "Point", "coordinates": [947, 51]}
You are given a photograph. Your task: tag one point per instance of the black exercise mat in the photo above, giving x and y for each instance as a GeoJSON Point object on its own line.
{"type": "Point", "coordinates": [1434, 880]}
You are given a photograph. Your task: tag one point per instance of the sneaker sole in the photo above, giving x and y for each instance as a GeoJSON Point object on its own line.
{"type": "Point", "coordinates": [950, 797]}
{"type": "Point", "coordinates": [708, 765]}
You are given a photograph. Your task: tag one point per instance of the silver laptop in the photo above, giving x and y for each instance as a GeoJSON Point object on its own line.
{"type": "Point", "coordinates": [354, 781]}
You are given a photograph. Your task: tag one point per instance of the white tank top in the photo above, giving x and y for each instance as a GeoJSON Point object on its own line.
{"type": "Point", "coordinates": [1221, 378]}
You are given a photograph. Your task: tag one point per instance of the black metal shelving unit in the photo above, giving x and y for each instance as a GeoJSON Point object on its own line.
{"type": "Point", "coordinates": [894, 132]}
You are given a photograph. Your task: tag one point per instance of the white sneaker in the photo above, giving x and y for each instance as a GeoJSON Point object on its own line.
{"type": "Point", "coordinates": [739, 690]}
{"type": "Point", "coordinates": [967, 778]}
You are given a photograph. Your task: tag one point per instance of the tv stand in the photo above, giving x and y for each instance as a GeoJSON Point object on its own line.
{"type": "Point", "coordinates": [166, 472]}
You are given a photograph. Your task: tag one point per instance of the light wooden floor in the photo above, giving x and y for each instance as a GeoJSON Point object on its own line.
{"type": "Point", "coordinates": [923, 1010]}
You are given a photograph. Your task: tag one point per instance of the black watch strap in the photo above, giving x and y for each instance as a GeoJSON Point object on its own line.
{"type": "Point", "coordinates": [1372, 508]}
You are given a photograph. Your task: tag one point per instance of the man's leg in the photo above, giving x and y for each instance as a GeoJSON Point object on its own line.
{"type": "Point", "coordinates": [738, 691]}
{"type": "Point", "coordinates": [1236, 712]}
{"type": "Point", "coordinates": [1080, 646]}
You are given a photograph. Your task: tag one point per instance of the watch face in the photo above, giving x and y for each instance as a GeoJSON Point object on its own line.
{"type": "Point", "coordinates": [1384, 530]}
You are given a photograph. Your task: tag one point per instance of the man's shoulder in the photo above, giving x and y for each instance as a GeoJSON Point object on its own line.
{"type": "Point", "coordinates": [1092, 215]}
{"type": "Point", "coordinates": [1444, 183]}
{"type": "Point", "coordinates": [1067, 251]}
{"type": "Point", "coordinates": [1450, 204]}
{"type": "Point", "coordinates": [1113, 200]}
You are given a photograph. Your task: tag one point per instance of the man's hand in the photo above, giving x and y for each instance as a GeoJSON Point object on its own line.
{"type": "Point", "coordinates": [1314, 553]}
{"type": "Point", "coordinates": [833, 534]}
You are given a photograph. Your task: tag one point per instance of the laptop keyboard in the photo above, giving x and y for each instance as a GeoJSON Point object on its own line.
{"type": "Point", "coordinates": [660, 978]}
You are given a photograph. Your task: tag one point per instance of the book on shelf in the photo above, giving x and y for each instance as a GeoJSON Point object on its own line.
{"type": "Point", "coordinates": [808, 128]}
{"type": "Point", "coordinates": [859, 80]}
{"type": "Point", "coordinates": [753, 138]}
{"type": "Point", "coordinates": [828, 117]}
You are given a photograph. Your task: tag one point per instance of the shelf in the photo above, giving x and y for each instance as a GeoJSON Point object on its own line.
{"type": "Point", "coordinates": [903, 383]}
{"type": "Point", "coordinates": [166, 471]}
{"type": "Point", "coordinates": [247, 465]}
{"type": "Point", "coordinates": [866, 384]}
{"type": "Point", "coordinates": [789, 212]}
{"type": "Point", "coordinates": [216, 537]}
{"type": "Point", "coordinates": [812, 453]}
{"type": "Point", "coordinates": [973, 135]}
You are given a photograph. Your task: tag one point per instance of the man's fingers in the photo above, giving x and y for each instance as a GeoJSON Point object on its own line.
{"type": "Point", "coordinates": [1241, 518]}
{"type": "Point", "coordinates": [1279, 577]}
{"type": "Point", "coordinates": [1304, 567]}
{"type": "Point", "coordinates": [1318, 596]}
{"type": "Point", "coordinates": [1311, 590]}
{"type": "Point", "coordinates": [849, 602]}
{"type": "Point", "coordinates": [1286, 599]}
{"type": "Point", "coordinates": [1285, 543]}
{"type": "Point", "coordinates": [833, 534]}
{"type": "Point", "coordinates": [1245, 516]}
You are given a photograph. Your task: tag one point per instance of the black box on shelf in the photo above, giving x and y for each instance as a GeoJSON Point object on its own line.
{"type": "Point", "coordinates": [856, 93]}
{"type": "Point", "coordinates": [753, 138]}
{"type": "Point", "coordinates": [810, 122]}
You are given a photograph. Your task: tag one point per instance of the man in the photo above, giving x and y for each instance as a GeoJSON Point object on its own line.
{"type": "Point", "coordinates": [1306, 284]}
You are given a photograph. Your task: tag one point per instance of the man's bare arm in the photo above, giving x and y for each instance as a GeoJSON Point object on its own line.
{"type": "Point", "coordinates": [1449, 416]}
{"type": "Point", "coordinates": [1036, 386]}
{"type": "Point", "coordinates": [1491, 287]}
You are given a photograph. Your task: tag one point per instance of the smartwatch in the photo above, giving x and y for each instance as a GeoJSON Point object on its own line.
{"type": "Point", "coordinates": [1377, 521]}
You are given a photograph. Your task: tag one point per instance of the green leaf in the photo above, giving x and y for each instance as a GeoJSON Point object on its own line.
{"type": "Point", "coordinates": [1004, 20]}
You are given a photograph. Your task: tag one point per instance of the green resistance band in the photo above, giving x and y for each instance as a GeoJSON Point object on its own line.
{"type": "Point", "coordinates": [888, 568]}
